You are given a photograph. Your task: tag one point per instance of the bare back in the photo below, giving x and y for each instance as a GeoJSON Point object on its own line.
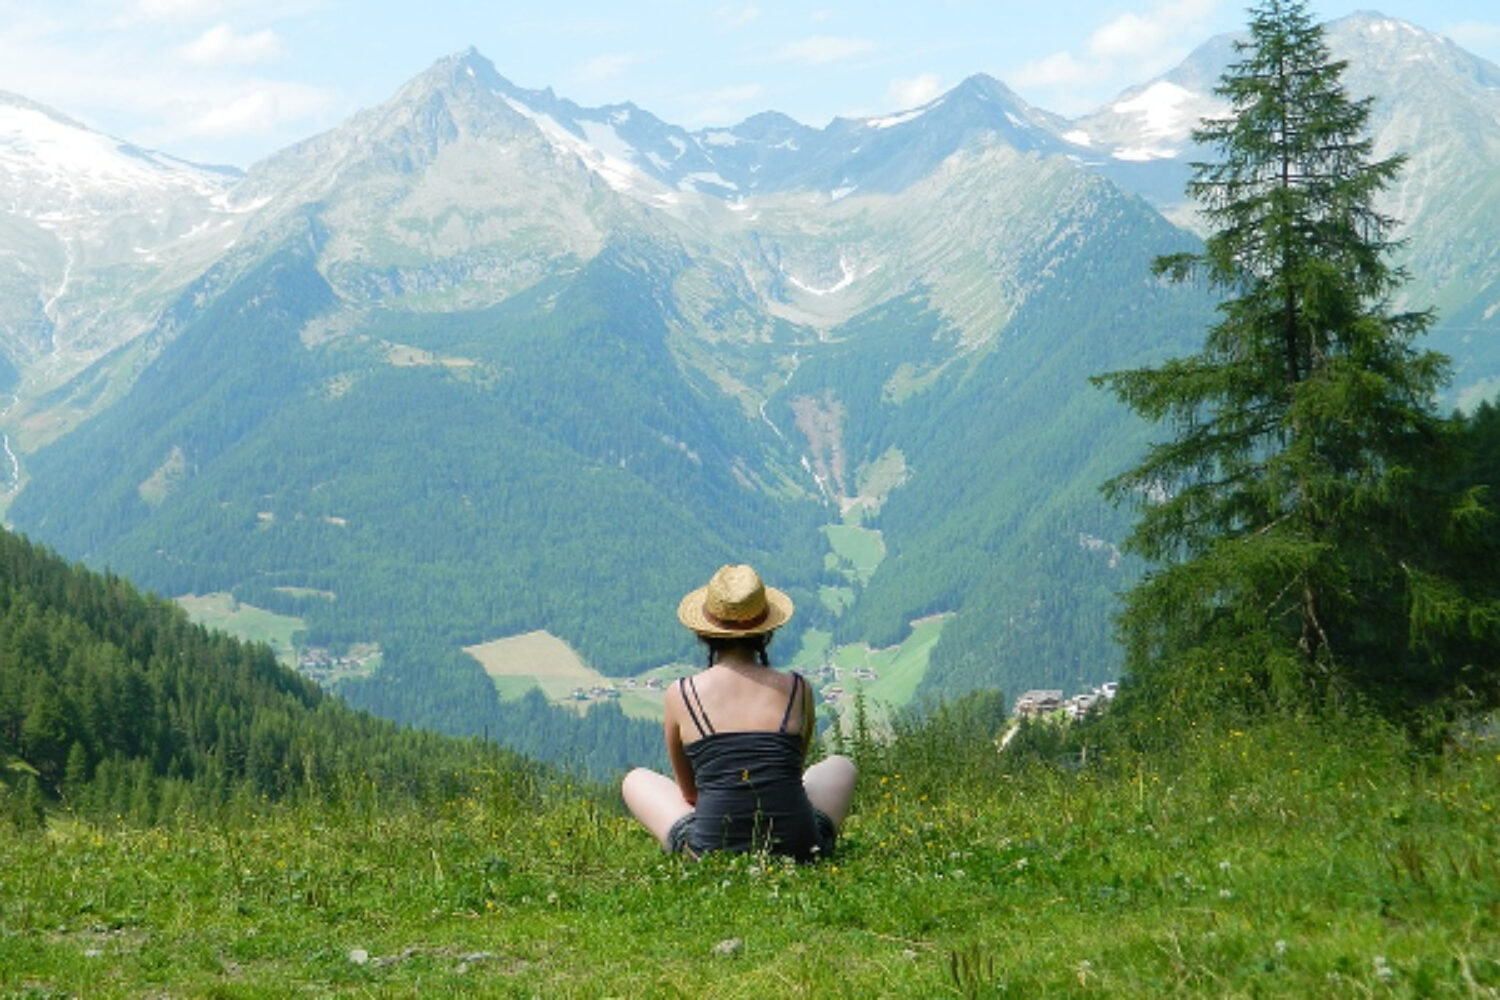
{"type": "Point", "coordinates": [739, 697]}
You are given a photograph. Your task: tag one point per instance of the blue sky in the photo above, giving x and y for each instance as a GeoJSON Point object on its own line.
{"type": "Point", "coordinates": [232, 81]}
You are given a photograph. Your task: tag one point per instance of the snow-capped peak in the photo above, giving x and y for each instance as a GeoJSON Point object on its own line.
{"type": "Point", "coordinates": [42, 147]}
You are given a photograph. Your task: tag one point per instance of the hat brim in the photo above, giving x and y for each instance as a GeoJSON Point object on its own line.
{"type": "Point", "coordinates": [691, 613]}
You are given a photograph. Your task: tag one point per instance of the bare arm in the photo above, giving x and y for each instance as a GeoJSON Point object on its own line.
{"type": "Point", "coordinates": [682, 768]}
{"type": "Point", "coordinates": [809, 718]}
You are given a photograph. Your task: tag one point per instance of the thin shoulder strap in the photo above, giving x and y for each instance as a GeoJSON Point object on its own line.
{"type": "Point", "coordinates": [700, 716]}
{"type": "Point", "coordinates": [791, 701]}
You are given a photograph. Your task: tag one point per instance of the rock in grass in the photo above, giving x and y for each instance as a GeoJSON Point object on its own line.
{"type": "Point", "coordinates": [729, 948]}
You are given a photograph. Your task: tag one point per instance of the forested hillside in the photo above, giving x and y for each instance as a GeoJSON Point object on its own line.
{"type": "Point", "coordinates": [481, 363]}
{"type": "Point", "coordinates": [114, 704]}
{"type": "Point", "coordinates": [1003, 518]}
{"type": "Point", "coordinates": [498, 489]}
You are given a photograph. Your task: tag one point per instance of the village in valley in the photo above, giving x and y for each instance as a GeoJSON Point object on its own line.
{"type": "Point", "coordinates": [1040, 704]}
{"type": "Point", "coordinates": [826, 680]}
{"type": "Point", "coordinates": [325, 666]}
{"type": "Point", "coordinates": [837, 687]}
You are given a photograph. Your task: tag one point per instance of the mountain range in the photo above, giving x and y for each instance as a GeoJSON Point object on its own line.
{"type": "Point", "coordinates": [480, 361]}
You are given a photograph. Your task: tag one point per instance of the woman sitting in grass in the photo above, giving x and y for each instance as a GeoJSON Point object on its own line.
{"type": "Point", "coordinates": [737, 736]}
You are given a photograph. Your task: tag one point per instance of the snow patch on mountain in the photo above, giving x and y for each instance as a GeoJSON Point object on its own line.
{"type": "Point", "coordinates": [846, 268]}
{"type": "Point", "coordinates": [59, 155]}
{"type": "Point", "coordinates": [1165, 114]}
{"type": "Point", "coordinates": [901, 118]}
{"type": "Point", "coordinates": [705, 178]}
{"type": "Point", "coordinates": [601, 149]}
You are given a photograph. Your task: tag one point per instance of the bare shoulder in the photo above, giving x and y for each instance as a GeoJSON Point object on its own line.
{"type": "Point", "coordinates": [672, 701]}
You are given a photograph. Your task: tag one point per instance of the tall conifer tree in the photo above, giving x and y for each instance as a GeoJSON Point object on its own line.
{"type": "Point", "coordinates": [1302, 552]}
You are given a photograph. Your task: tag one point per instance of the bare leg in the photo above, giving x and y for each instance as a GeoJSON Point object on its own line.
{"type": "Point", "coordinates": [830, 786]}
{"type": "Point", "coordinates": [655, 800]}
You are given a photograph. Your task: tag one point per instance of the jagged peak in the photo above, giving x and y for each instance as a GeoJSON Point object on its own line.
{"type": "Point", "coordinates": [457, 72]}
{"type": "Point", "coordinates": [765, 126]}
{"type": "Point", "coordinates": [982, 86]}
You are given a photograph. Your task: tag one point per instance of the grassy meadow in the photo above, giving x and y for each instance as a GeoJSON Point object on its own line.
{"type": "Point", "coordinates": [1283, 862]}
{"type": "Point", "coordinates": [246, 621]}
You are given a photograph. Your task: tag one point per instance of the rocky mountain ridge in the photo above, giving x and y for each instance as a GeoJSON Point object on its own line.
{"type": "Point", "coordinates": [426, 379]}
{"type": "Point", "coordinates": [94, 216]}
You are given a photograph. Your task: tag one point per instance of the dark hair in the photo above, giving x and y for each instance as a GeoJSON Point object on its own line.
{"type": "Point", "coordinates": [753, 644]}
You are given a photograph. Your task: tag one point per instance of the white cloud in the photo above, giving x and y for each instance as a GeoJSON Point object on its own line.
{"type": "Point", "coordinates": [149, 72]}
{"type": "Point", "coordinates": [737, 95]}
{"type": "Point", "coordinates": [820, 50]}
{"type": "Point", "coordinates": [1123, 50]}
{"type": "Point", "coordinates": [1475, 35]}
{"type": "Point", "coordinates": [1060, 69]}
{"type": "Point", "coordinates": [914, 91]}
{"type": "Point", "coordinates": [605, 67]}
{"type": "Point", "coordinates": [177, 10]}
{"type": "Point", "coordinates": [727, 104]}
{"type": "Point", "coordinates": [260, 111]}
{"type": "Point", "coordinates": [1126, 35]}
{"type": "Point", "coordinates": [220, 45]}
{"type": "Point", "coordinates": [249, 114]}
{"type": "Point", "coordinates": [1141, 37]}
{"type": "Point", "coordinates": [734, 17]}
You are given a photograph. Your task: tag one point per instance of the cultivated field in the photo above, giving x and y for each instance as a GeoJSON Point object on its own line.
{"type": "Point", "coordinates": [245, 621]}
{"type": "Point", "coordinates": [539, 659]}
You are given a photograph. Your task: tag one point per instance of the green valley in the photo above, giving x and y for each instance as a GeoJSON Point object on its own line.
{"type": "Point", "coordinates": [438, 377]}
{"type": "Point", "coordinates": [183, 815]}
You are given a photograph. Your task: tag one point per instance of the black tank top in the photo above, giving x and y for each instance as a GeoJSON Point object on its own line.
{"type": "Point", "coordinates": [750, 793]}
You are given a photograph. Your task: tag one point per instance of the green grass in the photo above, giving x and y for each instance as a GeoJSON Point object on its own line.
{"type": "Point", "coordinates": [1279, 863]}
{"type": "Point", "coordinates": [856, 551]}
{"type": "Point", "coordinates": [245, 621]}
{"type": "Point", "coordinates": [836, 599]}
{"type": "Point", "coordinates": [817, 646]}
{"type": "Point", "coordinates": [900, 668]}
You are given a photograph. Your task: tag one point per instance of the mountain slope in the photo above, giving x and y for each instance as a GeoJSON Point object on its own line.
{"type": "Point", "coordinates": [450, 495]}
{"type": "Point", "coordinates": [1434, 103]}
{"type": "Point", "coordinates": [122, 708]}
{"type": "Point", "coordinates": [99, 235]}
{"type": "Point", "coordinates": [482, 362]}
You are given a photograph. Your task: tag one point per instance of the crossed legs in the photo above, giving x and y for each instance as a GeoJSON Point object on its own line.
{"type": "Point", "coordinates": [656, 801]}
{"type": "Point", "coordinates": [830, 786]}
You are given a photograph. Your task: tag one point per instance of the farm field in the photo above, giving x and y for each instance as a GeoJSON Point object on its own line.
{"type": "Point", "coordinates": [245, 621]}
{"type": "Point", "coordinates": [888, 677]}
{"type": "Point", "coordinates": [541, 660]}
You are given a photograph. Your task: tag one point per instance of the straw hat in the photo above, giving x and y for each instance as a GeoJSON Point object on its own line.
{"type": "Point", "coordinates": [735, 603]}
